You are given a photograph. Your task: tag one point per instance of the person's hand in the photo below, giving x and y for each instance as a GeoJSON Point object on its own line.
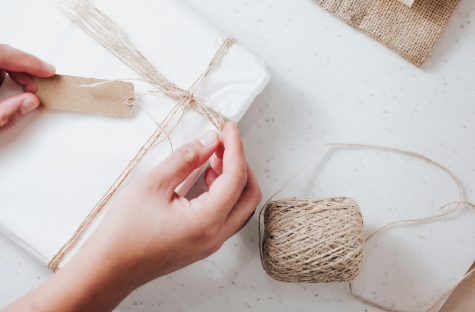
{"type": "Point", "coordinates": [151, 231]}
{"type": "Point", "coordinates": [154, 231]}
{"type": "Point", "coordinates": [19, 66]}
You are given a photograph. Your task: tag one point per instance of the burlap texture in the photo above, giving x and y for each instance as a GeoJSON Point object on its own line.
{"type": "Point", "coordinates": [410, 32]}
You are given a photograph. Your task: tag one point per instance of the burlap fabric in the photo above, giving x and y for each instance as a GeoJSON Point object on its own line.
{"type": "Point", "coordinates": [410, 32]}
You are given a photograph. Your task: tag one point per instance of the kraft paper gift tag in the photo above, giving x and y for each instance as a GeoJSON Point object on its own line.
{"type": "Point", "coordinates": [75, 94]}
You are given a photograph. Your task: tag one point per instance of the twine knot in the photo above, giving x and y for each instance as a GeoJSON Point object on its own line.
{"type": "Point", "coordinates": [190, 96]}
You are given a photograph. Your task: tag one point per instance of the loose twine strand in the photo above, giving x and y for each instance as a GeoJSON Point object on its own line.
{"type": "Point", "coordinates": [103, 30]}
{"type": "Point", "coordinates": [459, 202]}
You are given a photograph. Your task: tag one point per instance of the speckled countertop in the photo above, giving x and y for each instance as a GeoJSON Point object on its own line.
{"type": "Point", "coordinates": [330, 83]}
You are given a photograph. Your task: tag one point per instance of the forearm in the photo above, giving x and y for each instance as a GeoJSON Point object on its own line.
{"type": "Point", "coordinates": [82, 285]}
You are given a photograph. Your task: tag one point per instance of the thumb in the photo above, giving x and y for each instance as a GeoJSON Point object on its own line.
{"type": "Point", "coordinates": [15, 107]}
{"type": "Point", "coordinates": [179, 165]}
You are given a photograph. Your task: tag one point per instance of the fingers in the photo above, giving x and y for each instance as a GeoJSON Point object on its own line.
{"type": "Point", "coordinates": [217, 164]}
{"type": "Point", "coordinates": [179, 165]}
{"type": "Point", "coordinates": [210, 176]}
{"type": "Point", "coordinates": [14, 60]}
{"type": "Point", "coordinates": [20, 65]}
{"type": "Point", "coordinates": [234, 167]}
{"type": "Point", "coordinates": [216, 169]}
{"type": "Point", "coordinates": [14, 108]}
{"type": "Point", "coordinates": [3, 75]}
{"type": "Point", "coordinates": [24, 80]}
{"type": "Point", "coordinates": [227, 188]}
{"type": "Point", "coordinates": [220, 150]}
{"type": "Point", "coordinates": [245, 206]}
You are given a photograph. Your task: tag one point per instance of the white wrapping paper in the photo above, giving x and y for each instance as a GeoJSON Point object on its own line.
{"type": "Point", "coordinates": [56, 165]}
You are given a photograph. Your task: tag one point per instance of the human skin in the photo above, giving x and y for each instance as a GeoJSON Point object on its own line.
{"type": "Point", "coordinates": [150, 230]}
{"type": "Point", "coordinates": [20, 66]}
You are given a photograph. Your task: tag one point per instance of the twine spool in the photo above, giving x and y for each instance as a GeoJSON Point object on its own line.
{"type": "Point", "coordinates": [321, 240]}
{"type": "Point", "coordinates": [313, 240]}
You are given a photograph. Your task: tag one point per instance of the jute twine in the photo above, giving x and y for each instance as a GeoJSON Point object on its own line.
{"type": "Point", "coordinates": [107, 33]}
{"type": "Point", "coordinates": [321, 240]}
{"type": "Point", "coordinates": [411, 32]}
{"type": "Point", "coordinates": [313, 240]}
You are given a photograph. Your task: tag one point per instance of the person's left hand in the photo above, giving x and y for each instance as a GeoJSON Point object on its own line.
{"type": "Point", "coordinates": [19, 66]}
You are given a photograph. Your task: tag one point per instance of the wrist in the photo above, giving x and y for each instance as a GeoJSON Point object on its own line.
{"type": "Point", "coordinates": [92, 281]}
{"type": "Point", "coordinates": [100, 269]}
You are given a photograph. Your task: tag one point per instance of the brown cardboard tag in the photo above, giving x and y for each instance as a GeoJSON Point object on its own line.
{"type": "Point", "coordinates": [66, 93]}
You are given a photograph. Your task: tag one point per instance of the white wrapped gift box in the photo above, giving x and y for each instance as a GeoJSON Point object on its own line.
{"type": "Point", "coordinates": [56, 165]}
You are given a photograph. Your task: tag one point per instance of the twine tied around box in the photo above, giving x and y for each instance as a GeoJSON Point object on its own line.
{"type": "Point", "coordinates": [108, 34]}
{"type": "Point", "coordinates": [322, 240]}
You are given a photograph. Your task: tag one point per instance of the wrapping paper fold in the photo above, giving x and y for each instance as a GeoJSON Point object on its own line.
{"type": "Point", "coordinates": [56, 165]}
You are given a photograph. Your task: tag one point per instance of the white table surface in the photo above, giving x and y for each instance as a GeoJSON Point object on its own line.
{"type": "Point", "coordinates": [330, 83]}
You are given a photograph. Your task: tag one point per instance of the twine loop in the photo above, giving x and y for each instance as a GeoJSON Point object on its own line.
{"type": "Point", "coordinates": [131, 101]}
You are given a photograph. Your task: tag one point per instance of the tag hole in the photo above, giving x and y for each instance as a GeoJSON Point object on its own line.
{"type": "Point", "coordinates": [130, 101]}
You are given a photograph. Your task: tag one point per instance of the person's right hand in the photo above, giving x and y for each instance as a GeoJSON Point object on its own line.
{"type": "Point", "coordinates": [151, 231]}
{"type": "Point", "coordinates": [19, 66]}
{"type": "Point", "coordinates": [154, 231]}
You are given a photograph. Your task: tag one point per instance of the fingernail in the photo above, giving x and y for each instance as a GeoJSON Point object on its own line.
{"type": "Point", "coordinates": [50, 67]}
{"type": "Point", "coordinates": [208, 139]}
{"type": "Point", "coordinates": [28, 105]}
{"type": "Point", "coordinates": [233, 123]}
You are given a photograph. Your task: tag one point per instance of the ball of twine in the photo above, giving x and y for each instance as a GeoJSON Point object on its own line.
{"type": "Point", "coordinates": [313, 240]}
